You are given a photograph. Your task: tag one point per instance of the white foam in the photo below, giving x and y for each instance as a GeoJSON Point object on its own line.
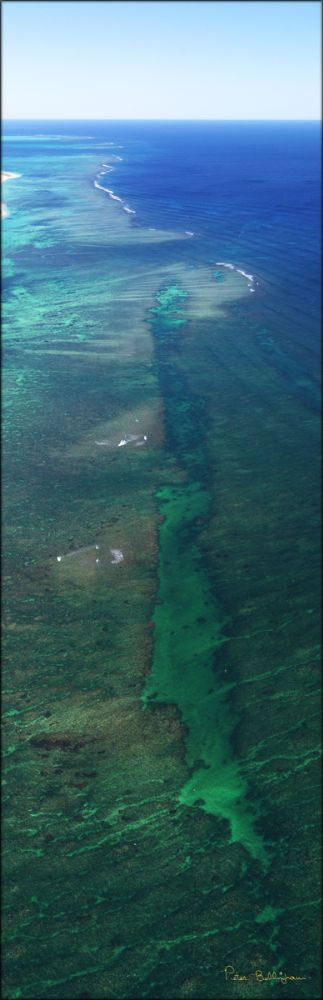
{"type": "Point", "coordinates": [132, 438]}
{"type": "Point", "coordinates": [188, 232]}
{"type": "Point", "coordinates": [78, 552]}
{"type": "Point", "coordinates": [130, 210]}
{"type": "Point", "coordinates": [114, 197]}
{"type": "Point", "coordinates": [250, 277]}
{"type": "Point", "coordinates": [118, 556]}
{"type": "Point", "coordinates": [8, 175]}
{"type": "Point", "coordinates": [140, 440]}
{"type": "Point", "coordinates": [245, 275]}
{"type": "Point", "coordinates": [108, 191]}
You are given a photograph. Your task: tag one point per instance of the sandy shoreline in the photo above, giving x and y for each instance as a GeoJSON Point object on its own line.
{"type": "Point", "coordinates": [6, 175]}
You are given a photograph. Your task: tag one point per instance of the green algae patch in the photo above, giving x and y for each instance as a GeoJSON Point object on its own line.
{"type": "Point", "coordinates": [269, 913]}
{"type": "Point", "coordinates": [187, 635]}
{"type": "Point", "coordinates": [188, 623]}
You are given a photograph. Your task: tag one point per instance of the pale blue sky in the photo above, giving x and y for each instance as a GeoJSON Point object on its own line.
{"type": "Point", "coordinates": [184, 59]}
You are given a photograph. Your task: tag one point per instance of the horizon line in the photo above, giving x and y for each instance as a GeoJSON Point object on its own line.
{"type": "Point", "coordinates": [16, 119]}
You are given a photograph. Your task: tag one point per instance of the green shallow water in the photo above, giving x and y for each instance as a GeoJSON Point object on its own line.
{"type": "Point", "coordinates": [188, 627]}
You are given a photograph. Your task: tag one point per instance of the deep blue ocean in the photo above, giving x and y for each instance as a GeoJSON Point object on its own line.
{"type": "Point", "coordinates": [249, 190]}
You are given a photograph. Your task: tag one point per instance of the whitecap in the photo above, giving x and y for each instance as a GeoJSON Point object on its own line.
{"type": "Point", "coordinates": [8, 175]}
{"type": "Point", "coordinates": [129, 438]}
{"type": "Point", "coordinates": [250, 277]}
{"type": "Point", "coordinates": [131, 210]}
{"type": "Point", "coordinates": [132, 439]}
{"type": "Point", "coordinates": [141, 441]}
{"type": "Point", "coordinates": [108, 191]}
{"type": "Point", "coordinates": [245, 275]}
{"type": "Point", "coordinates": [118, 556]}
{"type": "Point", "coordinates": [114, 197]}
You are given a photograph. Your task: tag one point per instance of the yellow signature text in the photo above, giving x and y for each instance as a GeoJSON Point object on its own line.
{"type": "Point", "coordinates": [260, 977]}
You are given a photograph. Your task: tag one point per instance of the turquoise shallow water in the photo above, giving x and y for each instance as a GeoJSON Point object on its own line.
{"type": "Point", "coordinates": [161, 448]}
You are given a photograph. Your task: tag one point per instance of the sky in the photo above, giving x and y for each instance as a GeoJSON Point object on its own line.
{"type": "Point", "coordinates": [174, 60]}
